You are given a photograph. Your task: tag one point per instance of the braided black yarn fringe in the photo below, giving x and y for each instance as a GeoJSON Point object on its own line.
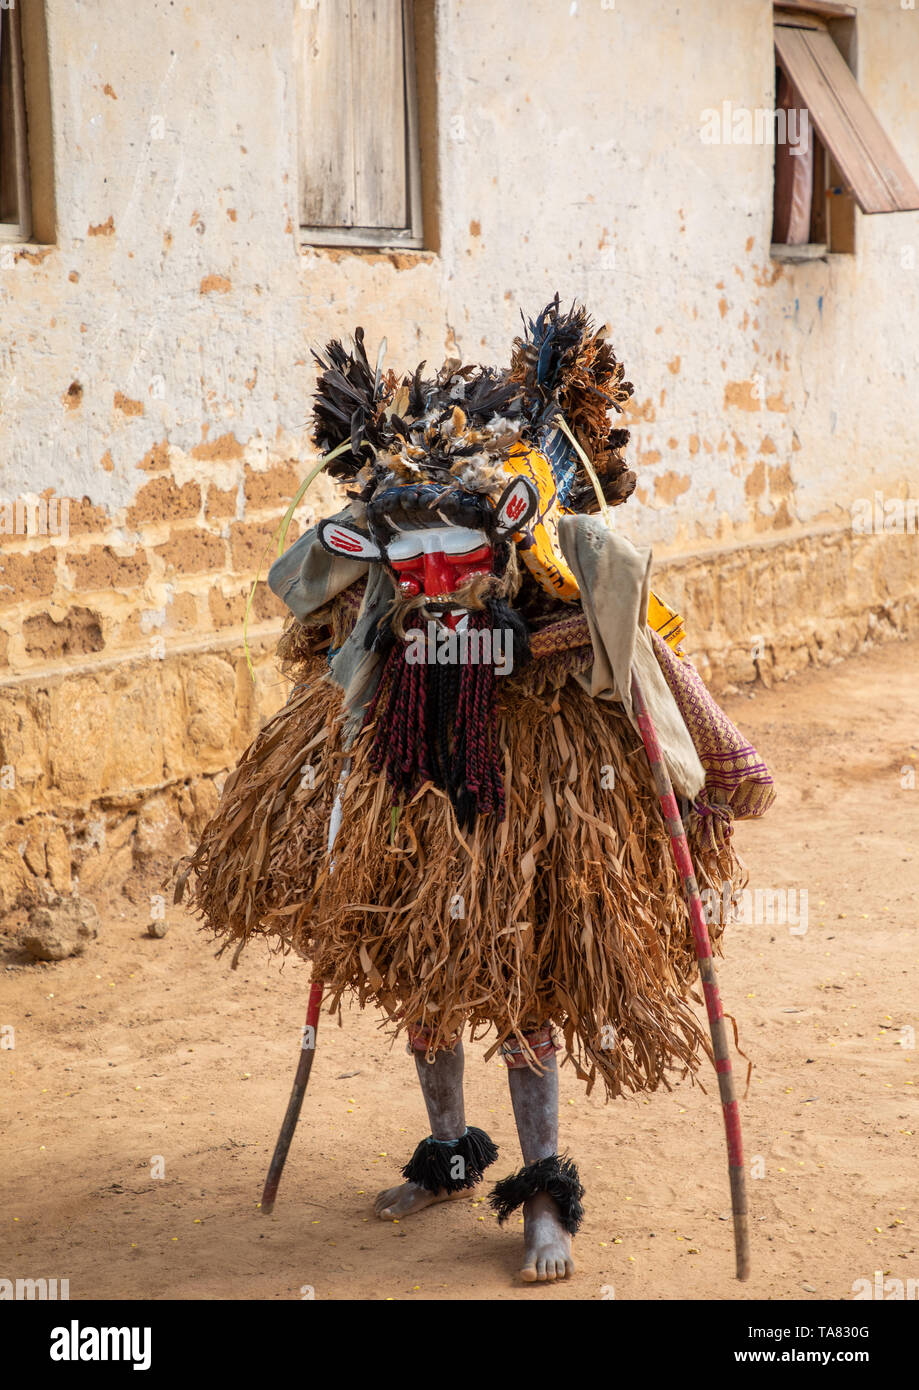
{"type": "Point", "coordinates": [434, 1165]}
{"type": "Point", "coordinates": [555, 1175]}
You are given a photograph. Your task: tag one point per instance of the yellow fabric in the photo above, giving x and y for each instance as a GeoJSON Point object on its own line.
{"type": "Point", "coordinates": [544, 558]}
{"type": "Point", "coordinates": [665, 622]}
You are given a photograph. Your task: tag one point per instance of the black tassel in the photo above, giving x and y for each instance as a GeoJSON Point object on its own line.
{"type": "Point", "coordinates": [434, 1165]}
{"type": "Point", "coordinates": [380, 636]}
{"type": "Point", "coordinates": [503, 616]}
{"type": "Point", "coordinates": [554, 1175]}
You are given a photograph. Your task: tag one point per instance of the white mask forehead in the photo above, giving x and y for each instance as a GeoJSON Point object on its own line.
{"type": "Point", "coordinates": [448, 540]}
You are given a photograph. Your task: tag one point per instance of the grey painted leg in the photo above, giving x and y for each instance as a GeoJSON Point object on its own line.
{"type": "Point", "coordinates": [547, 1245]}
{"type": "Point", "coordinates": [442, 1088]}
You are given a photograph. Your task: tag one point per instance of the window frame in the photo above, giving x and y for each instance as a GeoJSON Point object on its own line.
{"type": "Point", "coordinates": [845, 125]}
{"type": "Point", "coordinates": [410, 237]}
{"type": "Point", "coordinates": [829, 235]}
{"type": "Point", "coordinates": [21, 229]}
{"type": "Point", "coordinates": [823, 9]}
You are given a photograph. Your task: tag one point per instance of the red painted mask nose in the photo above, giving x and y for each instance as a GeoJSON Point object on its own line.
{"type": "Point", "coordinates": [439, 576]}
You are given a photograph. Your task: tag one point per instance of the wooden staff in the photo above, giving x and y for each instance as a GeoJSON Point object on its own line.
{"type": "Point", "coordinates": [703, 946]}
{"type": "Point", "coordinates": [308, 1043]}
{"type": "Point", "coordinates": [304, 1066]}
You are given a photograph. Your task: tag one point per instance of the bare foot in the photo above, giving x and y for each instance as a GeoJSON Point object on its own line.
{"type": "Point", "coordinates": [548, 1244]}
{"type": "Point", "coordinates": [408, 1197]}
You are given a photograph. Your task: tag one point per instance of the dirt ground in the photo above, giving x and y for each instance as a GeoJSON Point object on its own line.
{"type": "Point", "coordinates": [149, 1055]}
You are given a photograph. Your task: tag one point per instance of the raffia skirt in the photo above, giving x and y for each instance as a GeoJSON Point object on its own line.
{"type": "Point", "coordinates": [570, 911]}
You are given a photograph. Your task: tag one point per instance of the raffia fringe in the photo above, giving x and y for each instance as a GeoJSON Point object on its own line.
{"type": "Point", "coordinates": [568, 912]}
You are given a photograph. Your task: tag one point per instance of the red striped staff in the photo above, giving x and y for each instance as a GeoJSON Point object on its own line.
{"type": "Point", "coordinates": [308, 1041]}
{"type": "Point", "coordinates": [304, 1066]}
{"type": "Point", "coordinates": [703, 947]}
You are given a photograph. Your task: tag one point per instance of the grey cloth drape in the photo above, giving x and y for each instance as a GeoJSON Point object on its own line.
{"type": "Point", "coordinates": [307, 576]}
{"type": "Point", "coordinates": [614, 579]}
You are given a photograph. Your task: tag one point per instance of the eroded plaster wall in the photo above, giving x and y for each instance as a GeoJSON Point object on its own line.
{"type": "Point", "coordinates": [155, 369]}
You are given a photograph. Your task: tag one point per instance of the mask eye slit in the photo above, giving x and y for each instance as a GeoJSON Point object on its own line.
{"type": "Point", "coordinates": [481, 553]}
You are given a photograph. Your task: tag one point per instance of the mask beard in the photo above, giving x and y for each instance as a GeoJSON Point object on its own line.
{"type": "Point", "coordinates": [438, 723]}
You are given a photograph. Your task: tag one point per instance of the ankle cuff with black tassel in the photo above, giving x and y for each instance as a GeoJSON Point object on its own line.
{"type": "Point", "coordinates": [554, 1175]}
{"type": "Point", "coordinates": [449, 1165]}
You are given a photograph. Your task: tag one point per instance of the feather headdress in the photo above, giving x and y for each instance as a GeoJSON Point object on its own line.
{"type": "Point", "coordinates": [461, 424]}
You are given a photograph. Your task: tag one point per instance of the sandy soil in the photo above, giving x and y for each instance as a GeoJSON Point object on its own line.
{"type": "Point", "coordinates": [147, 1050]}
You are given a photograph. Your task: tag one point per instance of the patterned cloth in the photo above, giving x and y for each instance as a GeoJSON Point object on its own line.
{"type": "Point", "coordinates": [736, 777]}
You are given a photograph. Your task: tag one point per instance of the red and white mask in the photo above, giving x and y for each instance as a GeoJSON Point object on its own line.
{"type": "Point", "coordinates": [437, 561]}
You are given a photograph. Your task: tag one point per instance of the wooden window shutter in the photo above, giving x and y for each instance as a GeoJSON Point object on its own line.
{"type": "Point", "coordinates": [869, 164]}
{"type": "Point", "coordinates": [15, 205]}
{"type": "Point", "coordinates": [358, 148]}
